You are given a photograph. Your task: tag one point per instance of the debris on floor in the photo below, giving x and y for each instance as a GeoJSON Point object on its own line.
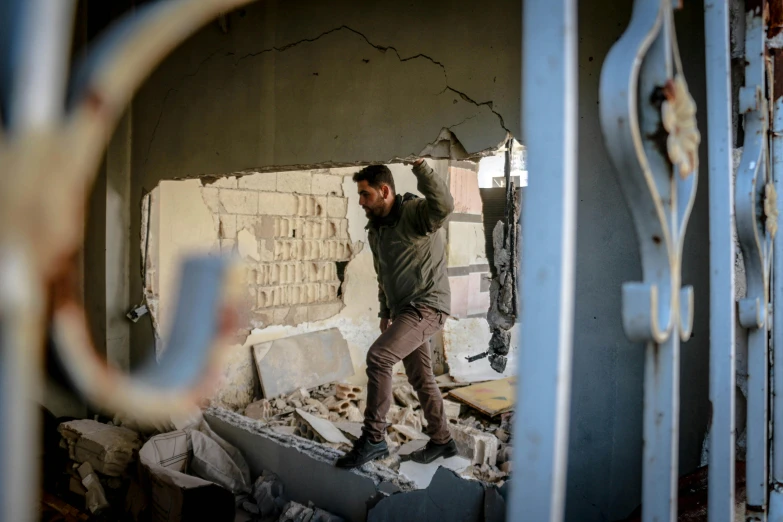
{"type": "Point", "coordinates": [332, 415]}
{"type": "Point", "coordinates": [491, 398]}
{"type": "Point", "coordinates": [186, 470]}
{"type": "Point", "coordinates": [99, 464]}
{"type": "Point", "coordinates": [109, 449]}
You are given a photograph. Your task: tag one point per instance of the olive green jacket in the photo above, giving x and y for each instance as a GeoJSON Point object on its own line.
{"type": "Point", "coordinates": [409, 248]}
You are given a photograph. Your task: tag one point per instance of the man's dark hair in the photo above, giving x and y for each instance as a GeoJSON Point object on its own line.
{"type": "Point", "coordinates": [375, 176]}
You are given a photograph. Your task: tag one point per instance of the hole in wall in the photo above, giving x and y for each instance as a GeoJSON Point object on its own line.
{"type": "Point", "coordinates": [301, 236]}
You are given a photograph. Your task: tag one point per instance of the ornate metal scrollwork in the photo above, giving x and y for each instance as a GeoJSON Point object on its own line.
{"type": "Point", "coordinates": [648, 118]}
{"type": "Point", "coordinates": [755, 208]}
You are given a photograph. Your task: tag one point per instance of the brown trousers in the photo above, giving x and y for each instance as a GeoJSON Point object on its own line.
{"type": "Point", "coordinates": [406, 339]}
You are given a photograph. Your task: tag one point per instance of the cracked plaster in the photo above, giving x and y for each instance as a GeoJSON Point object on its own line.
{"type": "Point", "coordinates": [339, 84]}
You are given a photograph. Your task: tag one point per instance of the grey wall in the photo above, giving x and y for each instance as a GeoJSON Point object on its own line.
{"type": "Point", "coordinates": [604, 475]}
{"type": "Point", "coordinates": [307, 83]}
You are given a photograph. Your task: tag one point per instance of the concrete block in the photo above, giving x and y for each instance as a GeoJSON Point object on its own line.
{"type": "Point", "coordinates": [225, 182]}
{"type": "Point", "coordinates": [212, 199]}
{"type": "Point", "coordinates": [337, 207]}
{"type": "Point", "coordinates": [311, 206]}
{"type": "Point", "coordinates": [239, 201]}
{"type": "Point", "coordinates": [302, 361]}
{"type": "Point", "coordinates": [266, 227]}
{"type": "Point", "coordinates": [478, 446]}
{"type": "Point", "coordinates": [402, 434]}
{"type": "Point", "coordinates": [319, 312]}
{"type": "Point", "coordinates": [266, 181]}
{"type": "Point", "coordinates": [347, 391]}
{"type": "Point", "coordinates": [227, 226]}
{"type": "Point", "coordinates": [299, 181]}
{"type": "Point", "coordinates": [274, 204]}
{"type": "Point", "coordinates": [327, 185]}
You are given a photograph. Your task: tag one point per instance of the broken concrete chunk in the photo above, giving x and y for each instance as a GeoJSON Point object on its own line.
{"type": "Point", "coordinates": [295, 512]}
{"type": "Point", "coordinates": [259, 410]}
{"type": "Point", "coordinates": [504, 454]}
{"type": "Point", "coordinates": [109, 449]}
{"type": "Point", "coordinates": [407, 416]}
{"type": "Point", "coordinates": [451, 409]}
{"type": "Point", "coordinates": [506, 467]}
{"type": "Point", "coordinates": [405, 395]}
{"type": "Point", "coordinates": [502, 435]}
{"type": "Point", "coordinates": [402, 434]}
{"type": "Point", "coordinates": [421, 474]}
{"type": "Point", "coordinates": [479, 447]}
{"type": "Point", "coordinates": [302, 361]}
{"type": "Point", "coordinates": [317, 406]}
{"type": "Point", "coordinates": [352, 414]}
{"type": "Point", "coordinates": [340, 405]}
{"type": "Point", "coordinates": [95, 496]}
{"type": "Point", "coordinates": [268, 493]}
{"type": "Point", "coordinates": [347, 391]}
{"type": "Point", "coordinates": [300, 395]}
{"type": "Point", "coordinates": [85, 469]}
{"type": "Point", "coordinates": [323, 427]}
{"type": "Point", "coordinates": [352, 429]}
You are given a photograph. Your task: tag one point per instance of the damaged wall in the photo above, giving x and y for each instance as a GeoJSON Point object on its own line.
{"type": "Point", "coordinates": [313, 83]}
{"type": "Point", "coordinates": [291, 229]}
{"type": "Point", "coordinates": [188, 216]}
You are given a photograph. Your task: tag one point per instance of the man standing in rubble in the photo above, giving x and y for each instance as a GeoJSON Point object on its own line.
{"type": "Point", "coordinates": [408, 248]}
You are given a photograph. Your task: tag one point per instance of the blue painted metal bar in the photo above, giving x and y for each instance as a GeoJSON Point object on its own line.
{"type": "Point", "coordinates": [721, 197]}
{"type": "Point", "coordinates": [776, 473]}
{"type": "Point", "coordinates": [549, 116]}
{"type": "Point", "coordinates": [749, 188]}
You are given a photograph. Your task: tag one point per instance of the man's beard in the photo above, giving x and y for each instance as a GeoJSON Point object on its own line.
{"type": "Point", "coordinates": [373, 212]}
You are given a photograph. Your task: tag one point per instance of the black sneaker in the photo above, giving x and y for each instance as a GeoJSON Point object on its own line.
{"type": "Point", "coordinates": [433, 451]}
{"type": "Point", "coordinates": [363, 452]}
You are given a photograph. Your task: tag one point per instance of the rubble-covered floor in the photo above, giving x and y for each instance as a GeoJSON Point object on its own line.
{"type": "Point", "coordinates": [274, 460]}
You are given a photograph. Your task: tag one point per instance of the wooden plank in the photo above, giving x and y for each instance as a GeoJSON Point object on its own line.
{"type": "Point", "coordinates": [491, 398]}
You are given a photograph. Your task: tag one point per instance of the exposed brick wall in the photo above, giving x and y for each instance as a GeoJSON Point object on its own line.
{"type": "Point", "coordinates": [291, 228]}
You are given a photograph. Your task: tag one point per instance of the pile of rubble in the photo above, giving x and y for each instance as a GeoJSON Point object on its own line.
{"type": "Point", "coordinates": [117, 470]}
{"type": "Point", "coordinates": [100, 458]}
{"type": "Point", "coordinates": [333, 414]}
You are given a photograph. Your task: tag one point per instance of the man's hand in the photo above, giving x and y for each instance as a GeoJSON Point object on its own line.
{"type": "Point", "coordinates": [418, 162]}
{"type": "Point", "coordinates": [385, 324]}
